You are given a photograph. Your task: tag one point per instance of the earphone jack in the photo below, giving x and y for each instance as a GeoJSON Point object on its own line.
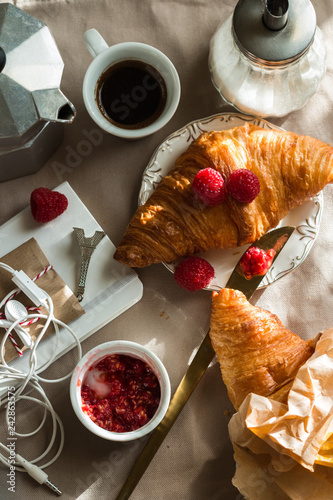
{"type": "Point", "coordinates": [35, 472]}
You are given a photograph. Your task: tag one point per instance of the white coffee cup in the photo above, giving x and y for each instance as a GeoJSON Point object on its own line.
{"type": "Point", "coordinates": [106, 56]}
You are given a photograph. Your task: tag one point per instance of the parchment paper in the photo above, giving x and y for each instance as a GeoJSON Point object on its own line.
{"type": "Point", "coordinates": [286, 449]}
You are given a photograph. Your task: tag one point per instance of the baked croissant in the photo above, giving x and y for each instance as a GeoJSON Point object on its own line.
{"type": "Point", "coordinates": [172, 223]}
{"type": "Point", "coordinates": [255, 351]}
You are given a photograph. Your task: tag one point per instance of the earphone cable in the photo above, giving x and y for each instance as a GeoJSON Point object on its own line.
{"type": "Point", "coordinates": [28, 382]}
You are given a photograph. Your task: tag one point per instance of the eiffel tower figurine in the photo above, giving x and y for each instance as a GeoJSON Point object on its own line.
{"type": "Point", "coordinates": [87, 247]}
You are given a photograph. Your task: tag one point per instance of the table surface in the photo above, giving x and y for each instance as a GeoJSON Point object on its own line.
{"type": "Point", "coordinates": [195, 461]}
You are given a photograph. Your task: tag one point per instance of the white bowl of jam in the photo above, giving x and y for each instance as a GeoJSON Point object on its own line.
{"type": "Point", "coordinates": [120, 390]}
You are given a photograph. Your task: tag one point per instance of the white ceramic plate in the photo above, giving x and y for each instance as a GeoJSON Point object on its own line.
{"type": "Point", "coordinates": [305, 218]}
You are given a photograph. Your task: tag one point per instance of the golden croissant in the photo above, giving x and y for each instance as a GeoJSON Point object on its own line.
{"type": "Point", "coordinates": [257, 354]}
{"type": "Point", "coordinates": [172, 223]}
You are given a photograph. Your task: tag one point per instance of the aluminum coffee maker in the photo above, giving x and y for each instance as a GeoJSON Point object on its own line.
{"type": "Point", "coordinates": [32, 107]}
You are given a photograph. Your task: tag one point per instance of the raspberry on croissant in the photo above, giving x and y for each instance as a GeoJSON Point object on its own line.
{"type": "Point", "coordinates": [173, 223]}
{"type": "Point", "coordinates": [257, 354]}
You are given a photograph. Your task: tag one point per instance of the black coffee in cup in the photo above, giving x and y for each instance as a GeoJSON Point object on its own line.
{"type": "Point", "coordinates": [131, 94]}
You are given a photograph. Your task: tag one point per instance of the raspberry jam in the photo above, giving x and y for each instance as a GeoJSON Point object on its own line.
{"type": "Point", "coordinates": [120, 393]}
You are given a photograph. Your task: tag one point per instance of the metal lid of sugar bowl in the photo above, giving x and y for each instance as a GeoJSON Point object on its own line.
{"type": "Point", "coordinates": [30, 74]}
{"type": "Point", "coordinates": [274, 32]}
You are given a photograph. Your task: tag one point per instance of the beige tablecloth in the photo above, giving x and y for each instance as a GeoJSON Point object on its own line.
{"type": "Point", "coordinates": [195, 462]}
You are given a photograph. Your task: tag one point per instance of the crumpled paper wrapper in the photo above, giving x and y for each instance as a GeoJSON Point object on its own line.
{"type": "Point", "coordinates": [30, 258]}
{"type": "Point", "coordinates": [285, 451]}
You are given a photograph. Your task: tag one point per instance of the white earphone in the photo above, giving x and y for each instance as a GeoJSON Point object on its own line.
{"type": "Point", "coordinates": [15, 311]}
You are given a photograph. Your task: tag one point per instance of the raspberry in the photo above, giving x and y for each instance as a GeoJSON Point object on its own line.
{"type": "Point", "coordinates": [46, 205]}
{"type": "Point", "coordinates": [209, 186]}
{"type": "Point", "coordinates": [243, 185]}
{"type": "Point", "coordinates": [194, 273]}
{"type": "Point", "coordinates": [256, 262]}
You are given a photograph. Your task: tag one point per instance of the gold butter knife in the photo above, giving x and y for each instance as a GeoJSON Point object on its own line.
{"type": "Point", "coordinates": [276, 240]}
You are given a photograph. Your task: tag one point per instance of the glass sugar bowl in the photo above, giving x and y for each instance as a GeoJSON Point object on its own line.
{"type": "Point", "coordinates": [268, 57]}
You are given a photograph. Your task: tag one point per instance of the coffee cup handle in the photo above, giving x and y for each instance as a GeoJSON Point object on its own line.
{"type": "Point", "coordinates": [94, 42]}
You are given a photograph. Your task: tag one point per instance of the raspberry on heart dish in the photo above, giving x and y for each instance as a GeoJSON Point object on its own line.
{"type": "Point", "coordinates": [194, 273]}
{"type": "Point", "coordinates": [243, 185]}
{"type": "Point", "coordinates": [46, 204]}
{"type": "Point", "coordinates": [209, 186]}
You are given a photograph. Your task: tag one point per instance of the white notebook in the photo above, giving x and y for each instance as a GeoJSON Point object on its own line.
{"type": "Point", "coordinates": [111, 288]}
